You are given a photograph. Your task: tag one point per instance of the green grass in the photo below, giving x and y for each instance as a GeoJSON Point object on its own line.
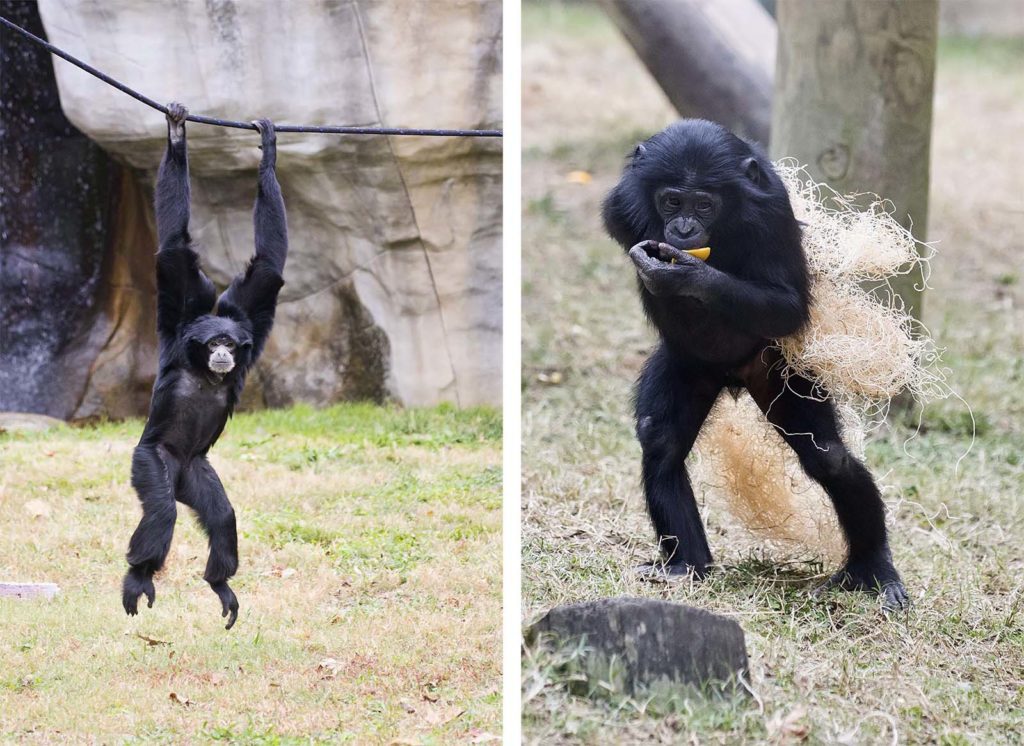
{"type": "Point", "coordinates": [369, 585]}
{"type": "Point", "coordinates": [822, 671]}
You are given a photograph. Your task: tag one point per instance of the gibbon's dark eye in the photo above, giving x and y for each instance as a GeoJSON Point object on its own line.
{"type": "Point", "coordinates": [230, 345]}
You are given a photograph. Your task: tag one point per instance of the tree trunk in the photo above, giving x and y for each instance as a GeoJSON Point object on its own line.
{"type": "Point", "coordinates": [713, 58]}
{"type": "Point", "coordinates": [853, 101]}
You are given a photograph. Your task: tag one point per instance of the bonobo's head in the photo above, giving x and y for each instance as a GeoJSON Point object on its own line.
{"type": "Point", "coordinates": [218, 344]}
{"type": "Point", "coordinates": [693, 184]}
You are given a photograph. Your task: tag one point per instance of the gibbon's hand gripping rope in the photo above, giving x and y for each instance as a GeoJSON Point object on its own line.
{"type": "Point", "coordinates": [326, 130]}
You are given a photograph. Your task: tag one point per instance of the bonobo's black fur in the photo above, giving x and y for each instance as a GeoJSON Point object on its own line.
{"type": "Point", "coordinates": [207, 345]}
{"type": "Point", "coordinates": [692, 185]}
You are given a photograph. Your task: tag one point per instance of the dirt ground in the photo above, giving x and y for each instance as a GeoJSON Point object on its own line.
{"type": "Point", "coordinates": [834, 670]}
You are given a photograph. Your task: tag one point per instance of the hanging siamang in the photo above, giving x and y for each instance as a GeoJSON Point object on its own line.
{"type": "Point", "coordinates": [695, 184]}
{"type": "Point", "coordinates": [207, 346]}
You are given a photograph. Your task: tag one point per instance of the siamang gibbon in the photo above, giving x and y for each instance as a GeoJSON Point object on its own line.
{"type": "Point", "coordinates": [207, 346]}
{"type": "Point", "coordinates": [695, 184]}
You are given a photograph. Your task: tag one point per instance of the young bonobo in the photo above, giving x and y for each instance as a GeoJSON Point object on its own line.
{"type": "Point", "coordinates": [695, 184]}
{"type": "Point", "coordinates": [207, 345]}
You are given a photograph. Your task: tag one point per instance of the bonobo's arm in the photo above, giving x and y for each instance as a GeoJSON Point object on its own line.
{"type": "Point", "coordinates": [183, 291]}
{"type": "Point", "coordinates": [255, 291]}
{"type": "Point", "coordinates": [772, 307]}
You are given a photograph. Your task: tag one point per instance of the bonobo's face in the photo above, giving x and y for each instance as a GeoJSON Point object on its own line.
{"type": "Point", "coordinates": [221, 352]}
{"type": "Point", "coordinates": [688, 216]}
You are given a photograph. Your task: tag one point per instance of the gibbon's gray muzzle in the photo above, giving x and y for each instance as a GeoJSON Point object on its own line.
{"type": "Point", "coordinates": [221, 359]}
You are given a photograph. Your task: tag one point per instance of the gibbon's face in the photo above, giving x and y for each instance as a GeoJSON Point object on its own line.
{"type": "Point", "coordinates": [217, 344]}
{"type": "Point", "coordinates": [221, 351]}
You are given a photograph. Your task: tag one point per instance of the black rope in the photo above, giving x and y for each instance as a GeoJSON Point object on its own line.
{"type": "Point", "coordinates": [326, 130]}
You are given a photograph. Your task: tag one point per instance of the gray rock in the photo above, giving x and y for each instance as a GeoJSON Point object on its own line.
{"type": "Point", "coordinates": [26, 422]}
{"type": "Point", "coordinates": [640, 644]}
{"type": "Point", "coordinates": [29, 590]}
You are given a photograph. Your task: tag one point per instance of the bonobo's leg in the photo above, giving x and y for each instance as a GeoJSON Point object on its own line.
{"type": "Point", "coordinates": [269, 221]}
{"type": "Point", "coordinates": [172, 187]}
{"type": "Point", "coordinates": [154, 472]}
{"type": "Point", "coordinates": [811, 429]}
{"type": "Point", "coordinates": [672, 403]}
{"type": "Point", "coordinates": [202, 491]}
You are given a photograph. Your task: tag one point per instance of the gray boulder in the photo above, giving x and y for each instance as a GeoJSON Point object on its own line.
{"type": "Point", "coordinates": [640, 644]}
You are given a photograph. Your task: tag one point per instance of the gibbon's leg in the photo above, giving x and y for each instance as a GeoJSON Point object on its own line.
{"type": "Point", "coordinates": [154, 472]}
{"type": "Point", "coordinates": [203, 492]}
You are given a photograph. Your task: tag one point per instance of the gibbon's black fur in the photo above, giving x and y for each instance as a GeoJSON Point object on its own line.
{"type": "Point", "coordinates": [692, 185]}
{"type": "Point", "coordinates": [207, 345]}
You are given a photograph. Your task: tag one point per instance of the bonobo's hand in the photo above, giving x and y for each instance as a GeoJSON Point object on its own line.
{"type": "Point", "coordinates": [269, 141]}
{"type": "Point", "coordinates": [687, 277]}
{"type": "Point", "coordinates": [176, 115]}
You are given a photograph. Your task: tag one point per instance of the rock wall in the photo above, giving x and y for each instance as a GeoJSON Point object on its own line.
{"type": "Point", "coordinates": [66, 278]}
{"type": "Point", "coordinates": [393, 283]}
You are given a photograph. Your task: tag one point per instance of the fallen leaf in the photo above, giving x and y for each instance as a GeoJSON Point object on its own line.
{"type": "Point", "coordinates": [550, 377]}
{"type": "Point", "coordinates": [789, 728]}
{"type": "Point", "coordinates": [38, 509]}
{"type": "Point", "coordinates": [184, 701]}
{"type": "Point", "coordinates": [477, 736]}
{"type": "Point", "coordinates": [442, 715]}
{"type": "Point", "coordinates": [328, 668]}
{"type": "Point", "coordinates": [579, 177]}
{"type": "Point", "coordinates": [151, 641]}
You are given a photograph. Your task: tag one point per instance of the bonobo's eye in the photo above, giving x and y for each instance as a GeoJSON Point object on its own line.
{"type": "Point", "coordinates": [705, 205]}
{"type": "Point", "coordinates": [672, 201]}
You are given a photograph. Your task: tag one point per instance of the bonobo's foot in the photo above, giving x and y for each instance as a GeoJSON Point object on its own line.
{"type": "Point", "coordinates": [135, 584]}
{"type": "Point", "coordinates": [176, 115]}
{"type": "Point", "coordinates": [660, 571]}
{"type": "Point", "coordinates": [269, 137]}
{"type": "Point", "coordinates": [876, 575]}
{"type": "Point", "coordinates": [227, 601]}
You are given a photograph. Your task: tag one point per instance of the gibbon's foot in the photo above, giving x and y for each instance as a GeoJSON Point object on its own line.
{"type": "Point", "coordinates": [135, 584]}
{"type": "Point", "coordinates": [227, 601]}
{"type": "Point", "coordinates": [878, 576]}
{"type": "Point", "coordinates": [267, 133]}
{"type": "Point", "coordinates": [659, 571]}
{"type": "Point", "coordinates": [176, 114]}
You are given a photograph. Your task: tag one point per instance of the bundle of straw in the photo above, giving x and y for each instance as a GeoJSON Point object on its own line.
{"type": "Point", "coordinates": [860, 346]}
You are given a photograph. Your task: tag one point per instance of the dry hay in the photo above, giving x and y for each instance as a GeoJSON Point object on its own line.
{"type": "Point", "coordinates": [862, 348]}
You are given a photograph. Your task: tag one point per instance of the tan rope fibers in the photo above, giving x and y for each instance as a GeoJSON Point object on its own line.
{"type": "Point", "coordinates": [861, 348]}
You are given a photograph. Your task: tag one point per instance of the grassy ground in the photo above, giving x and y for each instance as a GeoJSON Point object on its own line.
{"type": "Point", "coordinates": [369, 586]}
{"type": "Point", "coordinates": [825, 671]}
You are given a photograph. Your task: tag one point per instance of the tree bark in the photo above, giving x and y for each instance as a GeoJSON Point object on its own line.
{"type": "Point", "coordinates": [853, 101]}
{"type": "Point", "coordinates": [713, 58]}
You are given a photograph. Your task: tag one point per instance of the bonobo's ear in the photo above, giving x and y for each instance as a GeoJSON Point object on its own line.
{"type": "Point", "coordinates": [752, 170]}
{"type": "Point", "coordinates": [639, 152]}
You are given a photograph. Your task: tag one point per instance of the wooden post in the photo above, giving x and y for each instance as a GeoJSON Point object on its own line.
{"type": "Point", "coordinates": [853, 101]}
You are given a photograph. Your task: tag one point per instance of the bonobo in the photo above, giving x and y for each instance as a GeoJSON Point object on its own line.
{"type": "Point", "coordinates": [693, 185]}
{"type": "Point", "coordinates": [207, 346]}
